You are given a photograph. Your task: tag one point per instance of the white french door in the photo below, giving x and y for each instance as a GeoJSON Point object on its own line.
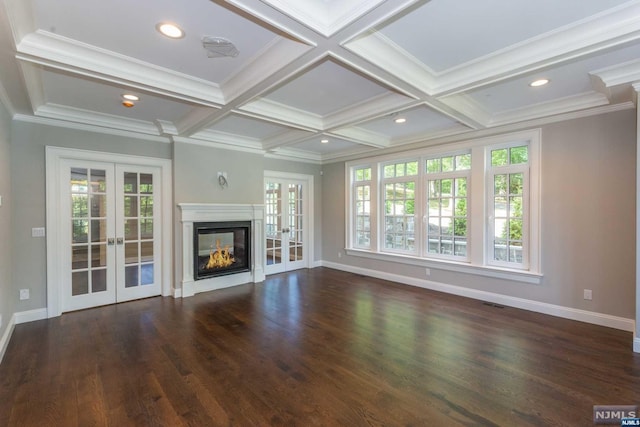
{"type": "Point", "coordinates": [110, 222]}
{"type": "Point", "coordinates": [287, 224]}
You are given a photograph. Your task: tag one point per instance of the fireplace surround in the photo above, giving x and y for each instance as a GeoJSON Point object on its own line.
{"type": "Point", "coordinates": [228, 231]}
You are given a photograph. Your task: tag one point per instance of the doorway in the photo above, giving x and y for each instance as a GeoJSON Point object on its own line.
{"type": "Point", "coordinates": [108, 217]}
{"type": "Point", "coordinates": [288, 221]}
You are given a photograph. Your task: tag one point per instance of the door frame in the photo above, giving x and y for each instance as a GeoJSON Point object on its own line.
{"type": "Point", "coordinates": [308, 216]}
{"type": "Point", "coordinates": [54, 155]}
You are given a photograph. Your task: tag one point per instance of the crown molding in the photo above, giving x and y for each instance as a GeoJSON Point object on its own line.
{"type": "Point", "coordinates": [206, 140]}
{"type": "Point", "coordinates": [166, 128]}
{"type": "Point", "coordinates": [6, 101]}
{"type": "Point", "coordinates": [42, 120]}
{"type": "Point", "coordinates": [21, 18]}
{"type": "Point", "coordinates": [292, 154]}
{"type": "Point", "coordinates": [560, 106]}
{"type": "Point", "coordinates": [626, 73]}
{"type": "Point", "coordinates": [62, 53]}
{"type": "Point", "coordinates": [75, 115]}
{"type": "Point", "coordinates": [228, 139]}
{"type": "Point", "coordinates": [33, 84]}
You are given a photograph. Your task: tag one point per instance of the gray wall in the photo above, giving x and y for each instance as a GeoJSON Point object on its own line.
{"type": "Point", "coordinates": [588, 220]}
{"type": "Point", "coordinates": [588, 208]}
{"type": "Point", "coordinates": [28, 191]}
{"type": "Point", "coordinates": [6, 290]}
{"type": "Point", "coordinates": [195, 175]}
{"type": "Point", "coordinates": [195, 180]}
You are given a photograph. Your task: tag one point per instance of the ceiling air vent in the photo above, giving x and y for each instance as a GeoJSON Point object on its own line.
{"type": "Point", "coordinates": [218, 47]}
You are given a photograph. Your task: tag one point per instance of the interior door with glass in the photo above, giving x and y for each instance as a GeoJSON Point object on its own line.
{"type": "Point", "coordinates": [285, 225]}
{"type": "Point", "coordinates": [137, 232]}
{"type": "Point", "coordinates": [110, 228]}
{"type": "Point", "coordinates": [88, 222]}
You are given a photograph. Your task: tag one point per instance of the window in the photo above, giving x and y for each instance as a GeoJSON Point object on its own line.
{"type": "Point", "coordinates": [399, 180]}
{"type": "Point", "coordinates": [509, 184]}
{"type": "Point", "coordinates": [469, 205]}
{"type": "Point", "coordinates": [362, 207]}
{"type": "Point", "coordinates": [447, 205]}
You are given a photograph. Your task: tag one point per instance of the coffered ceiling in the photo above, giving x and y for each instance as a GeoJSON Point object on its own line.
{"type": "Point", "coordinates": [309, 71]}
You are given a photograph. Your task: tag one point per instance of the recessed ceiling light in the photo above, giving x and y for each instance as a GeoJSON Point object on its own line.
{"type": "Point", "coordinates": [400, 120]}
{"type": "Point", "coordinates": [539, 82]}
{"type": "Point", "coordinates": [324, 141]}
{"type": "Point", "coordinates": [170, 30]}
{"type": "Point", "coordinates": [131, 97]}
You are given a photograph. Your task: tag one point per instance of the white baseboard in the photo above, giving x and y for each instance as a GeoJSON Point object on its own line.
{"type": "Point", "coordinates": [16, 319]}
{"type": "Point", "coordinates": [30, 316]}
{"type": "Point", "coordinates": [4, 341]}
{"type": "Point", "coordinates": [525, 304]}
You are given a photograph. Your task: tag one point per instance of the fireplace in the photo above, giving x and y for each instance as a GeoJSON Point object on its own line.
{"type": "Point", "coordinates": [238, 231]}
{"type": "Point", "coordinates": [221, 248]}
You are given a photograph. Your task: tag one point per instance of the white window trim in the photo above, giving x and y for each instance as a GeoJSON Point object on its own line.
{"type": "Point", "coordinates": [478, 263]}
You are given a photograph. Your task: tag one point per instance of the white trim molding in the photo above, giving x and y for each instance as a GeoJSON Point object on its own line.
{"type": "Point", "coordinates": [30, 315]}
{"type": "Point", "coordinates": [16, 319]}
{"type": "Point", "coordinates": [592, 317]}
{"type": "Point", "coordinates": [4, 340]}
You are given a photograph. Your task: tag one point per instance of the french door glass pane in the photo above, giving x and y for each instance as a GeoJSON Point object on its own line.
{"type": "Point", "coordinates": [79, 283]}
{"type": "Point", "coordinates": [138, 229]}
{"type": "Point", "coordinates": [131, 276]}
{"type": "Point", "coordinates": [88, 209]}
{"type": "Point", "coordinates": [98, 255]}
{"type": "Point", "coordinates": [99, 280]}
{"type": "Point", "coordinates": [273, 223]}
{"type": "Point", "coordinates": [295, 222]}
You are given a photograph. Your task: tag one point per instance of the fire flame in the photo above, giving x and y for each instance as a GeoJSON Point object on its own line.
{"type": "Point", "coordinates": [220, 258]}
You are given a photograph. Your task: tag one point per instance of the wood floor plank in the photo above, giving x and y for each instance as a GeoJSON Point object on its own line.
{"type": "Point", "coordinates": [313, 348]}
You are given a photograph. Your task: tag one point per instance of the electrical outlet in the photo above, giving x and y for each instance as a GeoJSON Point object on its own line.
{"type": "Point", "coordinates": [339, 254]}
{"type": "Point", "coordinates": [37, 232]}
{"type": "Point", "coordinates": [0, 321]}
{"type": "Point", "coordinates": [588, 294]}
{"type": "Point", "coordinates": [24, 294]}
{"type": "Point", "coordinates": [427, 271]}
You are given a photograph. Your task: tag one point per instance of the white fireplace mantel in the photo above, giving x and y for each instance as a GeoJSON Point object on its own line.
{"type": "Point", "coordinates": [219, 212]}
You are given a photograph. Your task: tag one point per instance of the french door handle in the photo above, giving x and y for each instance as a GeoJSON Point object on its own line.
{"type": "Point", "coordinates": [111, 241]}
{"type": "Point", "coordinates": [285, 230]}
{"type": "Point", "coordinates": [120, 240]}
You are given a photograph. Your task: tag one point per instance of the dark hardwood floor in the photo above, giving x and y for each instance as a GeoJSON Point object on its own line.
{"type": "Point", "coordinates": [313, 347]}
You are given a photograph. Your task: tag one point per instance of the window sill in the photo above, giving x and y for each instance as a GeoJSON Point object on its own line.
{"type": "Point", "coordinates": [458, 267]}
